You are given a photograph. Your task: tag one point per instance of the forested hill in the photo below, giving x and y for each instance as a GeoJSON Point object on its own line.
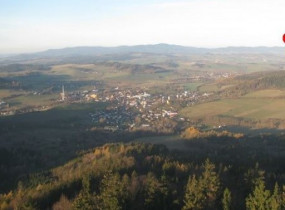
{"type": "Point", "coordinates": [243, 84]}
{"type": "Point", "coordinates": [260, 80]}
{"type": "Point", "coordinates": [156, 49]}
{"type": "Point", "coordinates": [146, 176]}
{"type": "Point", "coordinates": [23, 67]}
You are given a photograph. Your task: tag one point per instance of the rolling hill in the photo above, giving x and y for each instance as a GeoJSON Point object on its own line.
{"type": "Point", "coordinates": [156, 49]}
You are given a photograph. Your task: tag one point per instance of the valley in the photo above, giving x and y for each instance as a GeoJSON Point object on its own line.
{"type": "Point", "coordinates": [148, 121]}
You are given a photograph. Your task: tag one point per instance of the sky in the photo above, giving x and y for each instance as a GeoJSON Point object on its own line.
{"type": "Point", "coordinates": [34, 25]}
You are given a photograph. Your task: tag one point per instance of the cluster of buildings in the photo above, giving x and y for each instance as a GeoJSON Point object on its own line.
{"type": "Point", "coordinates": [136, 108]}
{"type": "Point", "coordinates": [126, 108]}
{"type": "Point", "coordinates": [3, 106]}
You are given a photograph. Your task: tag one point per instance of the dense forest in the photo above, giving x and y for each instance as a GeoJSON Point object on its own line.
{"type": "Point", "coordinates": [244, 84]}
{"type": "Point", "coordinates": [247, 174]}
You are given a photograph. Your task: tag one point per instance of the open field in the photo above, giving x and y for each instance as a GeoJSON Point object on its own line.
{"type": "Point", "coordinates": [208, 88]}
{"type": "Point", "coordinates": [269, 93]}
{"type": "Point", "coordinates": [33, 100]}
{"type": "Point", "coordinates": [86, 71]}
{"type": "Point", "coordinates": [192, 86]}
{"type": "Point", "coordinates": [7, 93]}
{"type": "Point", "coordinates": [244, 107]}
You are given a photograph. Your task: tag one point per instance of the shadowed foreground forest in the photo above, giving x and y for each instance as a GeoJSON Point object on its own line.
{"type": "Point", "coordinates": [247, 173]}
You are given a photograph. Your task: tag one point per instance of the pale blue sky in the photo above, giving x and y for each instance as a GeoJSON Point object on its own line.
{"type": "Point", "coordinates": [35, 25]}
{"type": "Point", "coordinates": [66, 8]}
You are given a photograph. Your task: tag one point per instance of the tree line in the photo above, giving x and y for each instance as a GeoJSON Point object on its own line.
{"type": "Point", "coordinates": [147, 176]}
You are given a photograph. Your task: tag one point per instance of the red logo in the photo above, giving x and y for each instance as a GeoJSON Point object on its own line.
{"type": "Point", "coordinates": [284, 38]}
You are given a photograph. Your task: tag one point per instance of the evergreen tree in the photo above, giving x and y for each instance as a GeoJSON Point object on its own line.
{"type": "Point", "coordinates": [202, 192]}
{"type": "Point", "coordinates": [259, 199]}
{"type": "Point", "coordinates": [85, 200]}
{"type": "Point", "coordinates": [155, 193]}
{"type": "Point", "coordinates": [276, 199]}
{"type": "Point", "coordinates": [227, 199]}
{"type": "Point", "coordinates": [194, 197]}
{"type": "Point", "coordinates": [210, 182]}
{"type": "Point", "coordinates": [283, 197]}
{"type": "Point", "coordinates": [113, 193]}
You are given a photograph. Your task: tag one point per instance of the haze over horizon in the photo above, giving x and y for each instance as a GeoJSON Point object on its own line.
{"type": "Point", "coordinates": [32, 26]}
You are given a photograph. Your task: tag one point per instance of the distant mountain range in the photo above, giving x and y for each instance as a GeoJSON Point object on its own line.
{"type": "Point", "coordinates": [156, 49]}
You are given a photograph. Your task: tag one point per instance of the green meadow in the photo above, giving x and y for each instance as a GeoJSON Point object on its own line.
{"type": "Point", "coordinates": [251, 106]}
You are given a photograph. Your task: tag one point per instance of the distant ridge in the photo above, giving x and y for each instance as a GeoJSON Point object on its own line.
{"type": "Point", "coordinates": [156, 49]}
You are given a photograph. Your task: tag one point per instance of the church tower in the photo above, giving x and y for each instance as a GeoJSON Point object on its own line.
{"type": "Point", "coordinates": [62, 94]}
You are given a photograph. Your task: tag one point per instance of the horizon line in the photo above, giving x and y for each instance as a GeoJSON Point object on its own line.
{"type": "Point", "coordinates": [117, 46]}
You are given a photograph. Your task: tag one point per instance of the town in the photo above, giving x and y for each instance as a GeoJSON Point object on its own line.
{"type": "Point", "coordinates": [131, 109]}
{"type": "Point", "coordinates": [126, 109]}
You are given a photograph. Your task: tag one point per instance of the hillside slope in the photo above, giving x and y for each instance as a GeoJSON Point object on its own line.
{"type": "Point", "coordinates": [146, 176]}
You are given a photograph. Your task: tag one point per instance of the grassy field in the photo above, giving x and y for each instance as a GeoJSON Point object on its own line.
{"type": "Point", "coordinates": [208, 88]}
{"type": "Point", "coordinates": [109, 74]}
{"type": "Point", "coordinates": [214, 87]}
{"type": "Point", "coordinates": [82, 72]}
{"type": "Point", "coordinates": [32, 100]}
{"type": "Point", "coordinates": [7, 93]}
{"type": "Point", "coordinates": [245, 107]}
{"type": "Point", "coordinates": [192, 86]}
{"type": "Point", "coordinates": [270, 93]}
